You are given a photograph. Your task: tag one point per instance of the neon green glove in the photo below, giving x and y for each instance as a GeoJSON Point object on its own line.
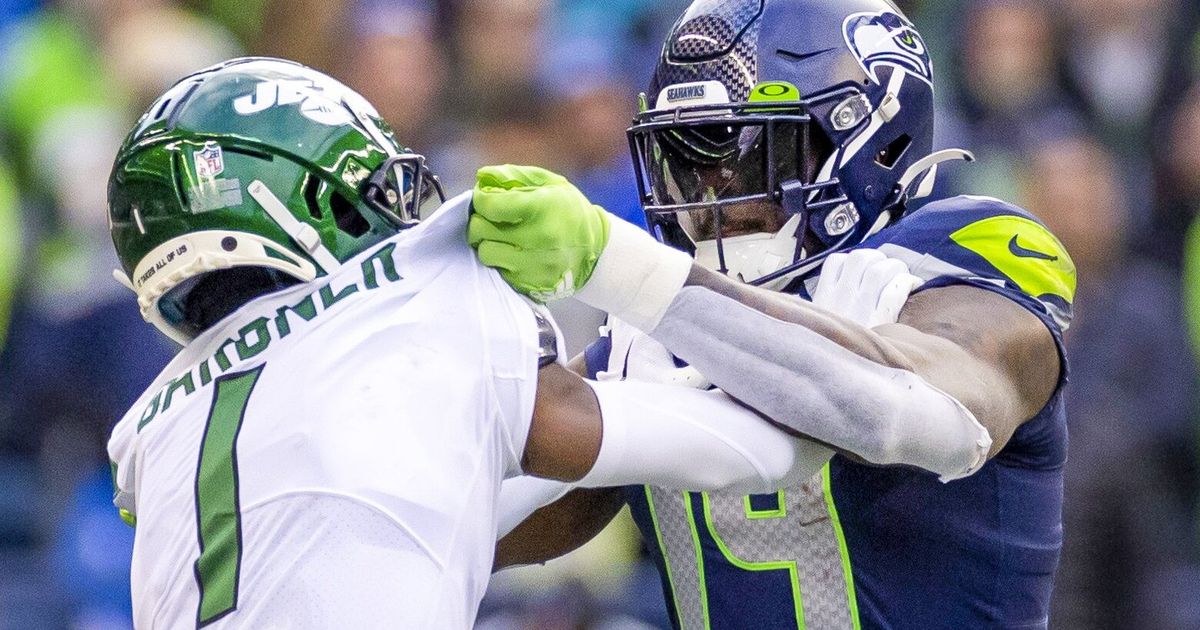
{"type": "Point", "coordinates": [548, 241]}
{"type": "Point", "coordinates": [536, 229]}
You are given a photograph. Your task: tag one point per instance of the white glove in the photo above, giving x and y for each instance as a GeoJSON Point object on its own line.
{"type": "Point", "coordinates": [864, 286]}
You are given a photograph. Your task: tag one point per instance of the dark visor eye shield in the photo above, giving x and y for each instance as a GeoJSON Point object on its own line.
{"type": "Point", "coordinates": [715, 156]}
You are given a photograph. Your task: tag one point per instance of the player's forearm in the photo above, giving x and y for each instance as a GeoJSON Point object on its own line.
{"type": "Point", "coordinates": [941, 362]}
{"type": "Point", "coordinates": [817, 373]}
{"type": "Point", "coordinates": [799, 378]}
{"type": "Point", "coordinates": [961, 356]}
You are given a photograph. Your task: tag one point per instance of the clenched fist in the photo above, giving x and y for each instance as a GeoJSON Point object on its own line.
{"type": "Point", "coordinates": [536, 229]}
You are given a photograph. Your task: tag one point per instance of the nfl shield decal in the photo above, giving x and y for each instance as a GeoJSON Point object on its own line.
{"type": "Point", "coordinates": [885, 38]}
{"type": "Point", "coordinates": [210, 162]}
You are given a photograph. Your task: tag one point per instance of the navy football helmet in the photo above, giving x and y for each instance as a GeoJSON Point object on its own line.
{"type": "Point", "coordinates": [780, 131]}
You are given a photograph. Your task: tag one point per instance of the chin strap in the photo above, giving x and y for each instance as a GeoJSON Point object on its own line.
{"type": "Point", "coordinates": [302, 234]}
{"type": "Point", "coordinates": [924, 171]}
{"type": "Point", "coordinates": [917, 182]}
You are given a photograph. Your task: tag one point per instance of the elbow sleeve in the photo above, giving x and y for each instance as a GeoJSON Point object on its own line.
{"type": "Point", "coordinates": [687, 439]}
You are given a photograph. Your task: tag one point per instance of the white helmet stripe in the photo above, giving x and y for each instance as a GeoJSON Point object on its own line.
{"type": "Point", "coordinates": [375, 132]}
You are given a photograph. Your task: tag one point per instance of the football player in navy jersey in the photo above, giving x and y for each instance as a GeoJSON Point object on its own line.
{"type": "Point", "coordinates": [778, 151]}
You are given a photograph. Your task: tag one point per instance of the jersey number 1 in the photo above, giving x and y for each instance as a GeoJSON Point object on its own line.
{"type": "Point", "coordinates": [218, 512]}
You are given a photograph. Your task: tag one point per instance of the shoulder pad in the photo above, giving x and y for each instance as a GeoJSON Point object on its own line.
{"type": "Point", "coordinates": [986, 242]}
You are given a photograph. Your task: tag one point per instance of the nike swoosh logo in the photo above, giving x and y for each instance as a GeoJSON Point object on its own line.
{"type": "Point", "coordinates": [787, 54]}
{"type": "Point", "coordinates": [1021, 252]}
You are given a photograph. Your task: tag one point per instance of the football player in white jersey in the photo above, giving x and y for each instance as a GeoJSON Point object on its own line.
{"type": "Point", "coordinates": [328, 447]}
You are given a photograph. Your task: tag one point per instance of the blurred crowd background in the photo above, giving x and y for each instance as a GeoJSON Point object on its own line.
{"type": "Point", "coordinates": [1085, 111]}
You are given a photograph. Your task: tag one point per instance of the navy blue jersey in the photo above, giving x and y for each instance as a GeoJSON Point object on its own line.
{"type": "Point", "coordinates": [889, 547]}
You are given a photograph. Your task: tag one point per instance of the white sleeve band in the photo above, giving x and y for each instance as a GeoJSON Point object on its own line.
{"type": "Point", "coordinates": [636, 277]}
{"type": "Point", "coordinates": [521, 496]}
{"type": "Point", "coordinates": [687, 439]}
{"type": "Point", "coordinates": [807, 382]}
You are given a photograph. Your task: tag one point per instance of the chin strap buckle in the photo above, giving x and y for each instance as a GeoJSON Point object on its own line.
{"type": "Point", "coordinates": [547, 340]}
{"type": "Point", "coordinates": [303, 234]}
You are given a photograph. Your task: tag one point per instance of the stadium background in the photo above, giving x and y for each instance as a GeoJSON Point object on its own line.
{"type": "Point", "coordinates": [1085, 111]}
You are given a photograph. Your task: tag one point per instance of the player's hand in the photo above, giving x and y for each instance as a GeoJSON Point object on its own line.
{"type": "Point", "coordinates": [536, 229]}
{"type": "Point", "coordinates": [864, 286]}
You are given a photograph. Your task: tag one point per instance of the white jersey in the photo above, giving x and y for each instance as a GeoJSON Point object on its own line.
{"type": "Point", "coordinates": [330, 455]}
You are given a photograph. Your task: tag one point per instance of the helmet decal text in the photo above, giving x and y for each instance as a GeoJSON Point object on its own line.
{"type": "Point", "coordinates": [695, 93]}
{"type": "Point", "coordinates": [885, 38]}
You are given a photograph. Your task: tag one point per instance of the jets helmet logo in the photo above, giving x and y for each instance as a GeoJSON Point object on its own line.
{"type": "Point", "coordinates": [319, 103]}
{"type": "Point", "coordinates": [885, 38]}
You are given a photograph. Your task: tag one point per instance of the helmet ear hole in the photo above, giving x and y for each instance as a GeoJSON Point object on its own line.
{"type": "Point", "coordinates": [889, 155]}
{"type": "Point", "coordinates": [348, 218]}
{"type": "Point", "coordinates": [311, 186]}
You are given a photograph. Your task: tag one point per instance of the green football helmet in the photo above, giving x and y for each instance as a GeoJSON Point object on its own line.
{"type": "Point", "coordinates": [254, 166]}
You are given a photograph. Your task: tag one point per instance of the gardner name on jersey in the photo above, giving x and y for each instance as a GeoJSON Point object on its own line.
{"type": "Point", "coordinates": [257, 336]}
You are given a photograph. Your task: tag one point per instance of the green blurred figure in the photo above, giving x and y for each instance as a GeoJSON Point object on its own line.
{"type": "Point", "coordinates": [10, 246]}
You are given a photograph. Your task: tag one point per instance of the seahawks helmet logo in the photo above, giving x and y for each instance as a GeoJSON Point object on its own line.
{"type": "Point", "coordinates": [885, 38]}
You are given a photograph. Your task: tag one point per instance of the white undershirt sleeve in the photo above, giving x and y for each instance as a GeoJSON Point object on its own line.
{"type": "Point", "coordinates": [679, 437]}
